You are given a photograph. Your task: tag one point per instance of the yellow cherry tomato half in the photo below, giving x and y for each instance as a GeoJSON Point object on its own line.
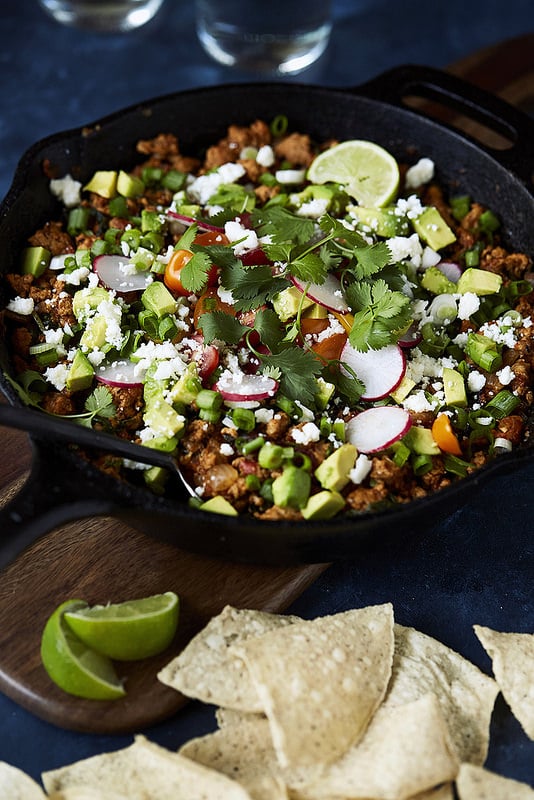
{"type": "Point", "coordinates": [173, 269]}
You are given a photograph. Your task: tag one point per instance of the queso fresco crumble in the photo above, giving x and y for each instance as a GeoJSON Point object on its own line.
{"type": "Point", "coordinates": [301, 355]}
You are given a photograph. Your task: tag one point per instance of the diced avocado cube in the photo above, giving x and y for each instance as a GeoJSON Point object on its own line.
{"type": "Point", "coordinates": [162, 418]}
{"type": "Point", "coordinates": [432, 229]}
{"type": "Point", "coordinates": [103, 183]}
{"type": "Point", "coordinates": [287, 303]}
{"type": "Point", "coordinates": [129, 185]}
{"type": "Point", "coordinates": [479, 281]}
{"type": "Point", "coordinates": [291, 488]}
{"type": "Point", "coordinates": [421, 441]}
{"type": "Point", "coordinates": [218, 505]}
{"type": "Point", "coordinates": [94, 335]}
{"type": "Point", "coordinates": [156, 479]}
{"type": "Point", "coordinates": [382, 221]}
{"type": "Point", "coordinates": [403, 389]}
{"type": "Point", "coordinates": [436, 282]}
{"type": "Point", "coordinates": [323, 505]}
{"type": "Point", "coordinates": [158, 299]}
{"type": "Point", "coordinates": [454, 387]}
{"type": "Point", "coordinates": [35, 260]}
{"type": "Point", "coordinates": [80, 374]}
{"type": "Point", "coordinates": [315, 311]}
{"type": "Point", "coordinates": [86, 300]}
{"type": "Point", "coordinates": [333, 473]}
{"type": "Point", "coordinates": [326, 390]}
{"type": "Point", "coordinates": [187, 386]}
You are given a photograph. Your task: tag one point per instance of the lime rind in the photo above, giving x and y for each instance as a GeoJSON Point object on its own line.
{"type": "Point", "coordinates": [368, 172]}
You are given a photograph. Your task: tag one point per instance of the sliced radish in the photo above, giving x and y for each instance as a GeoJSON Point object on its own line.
{"type": "Point", "coordinates": [115, 273]}
{"type": "Point", "coordinates": [119, 373]}
{"type": "Point", "coordinates": [380, 371]}
{"type": "Point", "coordinates": [202, 224]}
{"type": "Point", "coordinates": [376, 429]}
{"type": "Point", "coordinates": [241, 386]}
{"type": "Point", "coordinates": [450, 269]}
{"type": "Point", "coordinates": [412, 337]}
{"type": "Point", "coordinates": [327, 294]}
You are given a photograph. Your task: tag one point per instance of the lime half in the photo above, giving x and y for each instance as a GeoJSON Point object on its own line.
{"type": "Point", "coordinates": [368, 172]}
{"type": "Point", "coordinates": [127, 631]}
{"type": "Point", "coordinates": [73, 666]}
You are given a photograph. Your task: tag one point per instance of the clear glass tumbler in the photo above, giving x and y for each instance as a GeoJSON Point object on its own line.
{"type": "Point", "coordinates": [269, 36]}
{"type": "Point", "coordinates": [105, 16]}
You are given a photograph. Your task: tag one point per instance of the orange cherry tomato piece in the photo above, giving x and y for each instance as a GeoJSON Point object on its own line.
{"type": "Point", "coordinates": [210, 301]}
{"type": "Point", "coordinates": [330, 348]}
{"type": "Point", "coordinates": [171, 276]}
{"type": "Point", "coordinates": [444, 436]}
{"type": "Point", "coordinates": [209, 238]}
{"type": "Point", "coordinates": [311, 325]}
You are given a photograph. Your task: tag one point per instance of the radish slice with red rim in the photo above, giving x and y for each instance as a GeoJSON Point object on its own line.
{"type": "Point", "coordinates": [412, 337]}
{"type": "Point", "coordinates": [376, 429]}
{"type": "Point", "coordinates": [119, 373]}
{"type": "Point", "coordinates": [380, 371]}
{"type": "Point", "coordinates": [115, 272]}
{"type": "Point", "coordinates": [202, 224]}
{"type": "Point", "coordinates": [327, 294]}
{"type": "Point", "coordinates": [246, 387]}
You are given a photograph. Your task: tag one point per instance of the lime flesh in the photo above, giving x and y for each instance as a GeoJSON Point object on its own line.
{"type": "Point", "coordinates": [368, 172]}
{"type": "Point", "coordinates": [74, 667]}
{"type": "Point", "coordinates": [127, 631]}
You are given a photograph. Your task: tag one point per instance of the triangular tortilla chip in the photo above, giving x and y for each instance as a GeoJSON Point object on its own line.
{"type": "Point", "coordinates": [145, 771]}
{"type": "Point", "coordinates": [16, 785]}
{"type": "Point", "coordinates": [476, 783]}
{"type": "Point", "coordinates": [245, 753]}
{"type": "Point", "coordinates": [444, 792]}
{"type": "Point", "coordinates": [405, 751]}
{"type": "Point", "coordinates": [421, 664]}
{"type": "Point", "coordinates": [512, 656]}
{"type": "Point", "coordinates": [208, 670]}
{"type": "Point", "coordinates": [87, 793]}
{"type": "Point", "coordinates": [321, 681]}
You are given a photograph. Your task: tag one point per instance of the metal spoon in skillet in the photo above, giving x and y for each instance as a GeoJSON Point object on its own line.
{"type": "Point", "coordinates": [56, 429]}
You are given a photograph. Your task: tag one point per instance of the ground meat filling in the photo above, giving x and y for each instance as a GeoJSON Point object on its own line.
{"type": "Point", "coordinates": [221, 448]}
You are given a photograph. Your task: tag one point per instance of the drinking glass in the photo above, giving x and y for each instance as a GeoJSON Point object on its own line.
{"type": "Point", "coordinates": [268, 36]}
{"type": "Point", "coordinates": [102, 15]}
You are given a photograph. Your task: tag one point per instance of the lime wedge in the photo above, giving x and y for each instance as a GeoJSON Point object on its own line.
{"type": "Point", "coordinates": [368, 172]}
{"type": "Point", "coordinates": [127, 631]}
{"type": "Point", "coordinates": [74, 667]}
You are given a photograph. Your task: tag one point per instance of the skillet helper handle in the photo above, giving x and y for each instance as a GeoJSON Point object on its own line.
{"type": "Point", "coordinates": [44, 502]}
{"type": "Point", "coordinates": [462, 97]}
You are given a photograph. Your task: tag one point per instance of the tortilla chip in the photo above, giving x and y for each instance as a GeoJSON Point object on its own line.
{"type": "Point", "coordinates": [406, 750]}
{"type": "Point", "coordinates": [208, 670]}
{"type": "Point", "coordinates": [421, 664]}
{"type": "Point", "coordinates": [476, 783]}
{"type": "Point", "coordinates": [321, 681]}
{"type": "Point", "coordinates": [86, 793]}
{"type": "Point", "coordinates": [512, 656]}
{"type": "Point", "coordinates": [16, 785]}
{"type": "Point", "coordinates": [444, 792]}
{"type": "Point", "coordinates": [245, 753]}
{"type": "Point", "coordinates": [145, 771]}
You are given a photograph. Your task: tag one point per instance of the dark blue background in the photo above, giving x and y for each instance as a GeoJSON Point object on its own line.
{"type": "Point", "coordinates": [478, 567]}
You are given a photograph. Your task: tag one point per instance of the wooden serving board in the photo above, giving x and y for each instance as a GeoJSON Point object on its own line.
{"type": "Point", "coordinates": [112, 562]}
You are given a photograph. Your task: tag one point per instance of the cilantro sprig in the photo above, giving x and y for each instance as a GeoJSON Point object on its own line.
{"type": "Point", "coordinates": [380, 314]}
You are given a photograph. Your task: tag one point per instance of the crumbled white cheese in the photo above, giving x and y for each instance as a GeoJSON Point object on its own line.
{"type": "Point", "coordinates": [265, 156]}
{"type": "Point", "coordinates": [57, 376]}
{"type": "Point", "coordinates": [313, 208]}
{"type": "Point", "coordinates": [225, 295]}
{"type": "Point", "coordinates": [21, 305]}
{"type": "Point", "coordinates": [505, 375]}
{"type": "Point", "coordinates": [307, 434]}
{"type": "Point", "coordinates": [67, 190]}
{"type": "Point", "coordinates": [406, 248]}
{"type": "Point", "coordinates": [468, 304]}
{"type": "Point", "coordinates": [58, 262]}
{"type": "Point", "coordinates": [74, 278]}
{"type": "Point", "coordinates": [430, 258]}
{"type": "Point", "coordinates": [476, 381]}
{"type": "Point", "coordinates": [409, 207]}
{"type": "Point", "coordinates": [420, 173]}
{"type": "Point", "coordinates": [361, 469]}
{"type": "Point", "coordinates": [264, 415]}
{"type": "Point", "coordinates": [421, 367]}
{"type": "Point", "coordinates": [418, 402]}
{"type": "Point", "coordinates": [203, 187]}
{"type": "Point", "coordinates": [226, 449]}
{"type": "Point", "coordinates": [500, 332]}
{"type": "Point", "coordinates": [245, 238]}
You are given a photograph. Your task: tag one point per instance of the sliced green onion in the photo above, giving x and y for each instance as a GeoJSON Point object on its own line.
{"type": "Point", "coordinates": [421, 464]}
{"type": "Point", "coordinates": [209, 415]}
{"type": "Point", "coordinates": [153, 241]}
{"type": "Point", "coordinates": [460, 206]}
{"type": "Point", "coordinates": [78, 220]}
{"type": "Point", "coordinates": [338, 429]}
{"type": "Point", "coordinates": [271, 456]}
{"type": "Point", "coordinates": [132, 238]}
{"type": "Point", "coordinates": [118, 207]}
{"type": "Point", "coordinates": [209, 400]}
{"type": "Point", "coordinates": [148, 321]}
{"type": "Point", "coordinates": [266, 490]}
{"type": "Point", "coordinates": [252, 482]}
{"type": "Point", "coordinates": [173, 180]}
{"type": "Point", "coordinates": [503, 404]}
{"type": "Point", "coordinates": [402, 454]}
{"type": "Point", "coordinates": [151, 175]}
{"type": "Point", "coordinates": [279, 125]}
{"type": "Point", "coordinates": [167, 328]}
{"type": "Point", "coordinates": [488, 222]}
{"type": "Point", "coordinates": [100, 247]}
{"type": "Point", "coordinates": [456, 466]}
{"type": "Point", "coordinates": [244, 419]}
{"type": "Point", "coordinates": [303, 461]}
{"type": "Point", "coordinates": [252, 445]}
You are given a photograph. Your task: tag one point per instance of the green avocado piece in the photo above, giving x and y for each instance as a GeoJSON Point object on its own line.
{"type": "Point", "coordinates": [94, 334]}
{"type": "Point", "coordinates": [479, 281]}
{"type": "Point", "coordinates": [333, 472]}
{"type": "Point", "coordinates": [158, 299]}
{"type": "Point", "coordinates": [421, 441]}
{"type": "Point", "coordinates": [435, 281]}
{"type": "Point", "coordinates": [454, 387]}
{"type": "Point", "coordinates": [85, 300]}
{"type": "Point", "coordinates": [287, 302]}
{"type": "Point", "coordinates": [292, 487]}
{"type": "Point", "coordinates": [323, 505]}
{"type": "Point", "coordinates": [103, 183]}
{"type": "Point", "coordinates": [155, 479]}
{"type": "Point", "coordinates": [35, 260]}
{"type": "Point", "coordinates": [382, 221]}
{"type": "Point", "coordinates": [218, 505]}
{"type": "Point", "coordinates": [432, 229]}
{"type": "Point", "coordinates": [129, 185]}
{"type": "Point", "coordinates": [162, 418]}
{"type": "Point", "coordinates": [187, 386]}
{"type": "Point", "coordinates": [80, 374]}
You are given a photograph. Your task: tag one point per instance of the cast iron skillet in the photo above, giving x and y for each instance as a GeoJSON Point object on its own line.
{"type": "Point", "coordinates": [63, 487]}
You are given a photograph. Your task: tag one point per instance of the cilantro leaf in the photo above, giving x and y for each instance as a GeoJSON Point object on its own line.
{"type": "Point", "coordinates": [298, 371]}
{"type": "Point", "coordinates": [100, 403]}
{"type": "Point", "coordinates": [371, 259]}
{"type": "Point", "coordinates": [309, 267]}
{"type": "Point", "coordinates": [194, 275]}
{"type": "Point", "coordinates": [251, 286]}
{"type": "Point", "coordinates": [268, 326]}
{"type": "Point", "coordinates": [220, 325]}
{"type": "Point", "coordinates": [335, 229]}
{"type": "Point", "coordinates": [186, 239]}
{"type": "Point", "coordinates": [379, 314]}
{"type": "Point", "coordinates": [281, 225]}
{"type": "Point", "coordinates": [347, 385]}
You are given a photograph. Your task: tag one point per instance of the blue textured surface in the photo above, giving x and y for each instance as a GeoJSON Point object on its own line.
{"type": "Point", "coordinates": [476, 568]}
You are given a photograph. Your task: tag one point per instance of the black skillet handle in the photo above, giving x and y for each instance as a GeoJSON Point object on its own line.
{"type": "Point", "coordinates": [47, 500]}
{"type": "Point", "coordinates": [454, 93]}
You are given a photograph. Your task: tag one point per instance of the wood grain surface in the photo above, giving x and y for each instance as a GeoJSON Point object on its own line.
{"type": "Point", "coordinates": [112, 562]}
